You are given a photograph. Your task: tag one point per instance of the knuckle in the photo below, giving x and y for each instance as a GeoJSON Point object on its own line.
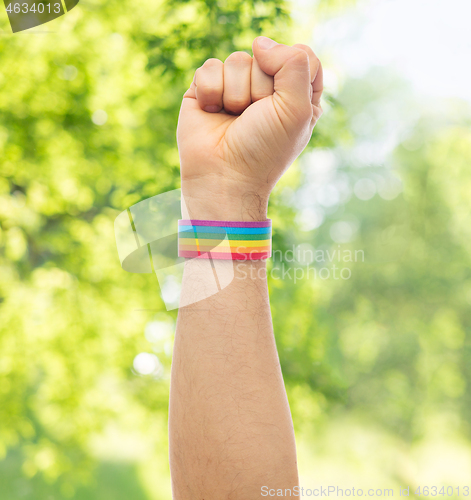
{"type": "Point", "coordinates": [299, 56]}
{"type": "Point", "coordinates": [302, 46]}
{"type": "Point", "coordinates": [236, 103]}
{"type": "Point", "coordinates": [210, 91]}
{"type": "Point", "coordinates": [212, 62]}
{"type": "Point", "coordinates": [305, 115]}
{"type": "Point", "coordinates": [305, 48]}
{"type": "Point", "coordinates": [239, 57]}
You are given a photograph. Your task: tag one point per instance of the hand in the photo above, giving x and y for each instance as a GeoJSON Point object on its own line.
{"type": "Point", "coordinates": [241, 125]}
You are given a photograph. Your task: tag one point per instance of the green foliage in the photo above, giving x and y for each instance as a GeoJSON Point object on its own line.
{"type": "Point", "coordinates": [87, 128]}
{"type": "Point", "coordinates": [388, 345]}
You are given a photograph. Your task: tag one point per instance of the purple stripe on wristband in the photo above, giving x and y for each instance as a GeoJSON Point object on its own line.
{"type": "Point", "coordinates": [221, 223]}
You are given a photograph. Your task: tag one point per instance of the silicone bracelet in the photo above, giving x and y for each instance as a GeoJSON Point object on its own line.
{"type": "Point", "coordinates": [227, 240]}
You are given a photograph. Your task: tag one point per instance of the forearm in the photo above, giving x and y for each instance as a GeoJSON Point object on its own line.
{"type": "Point", "coordinates": [241, 125]}
{"type": "Point", "coordinates": [230, 425]}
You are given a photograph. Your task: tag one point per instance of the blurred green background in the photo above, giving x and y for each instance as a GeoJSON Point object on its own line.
{"type": "Point", "coordinates": [376, 366]}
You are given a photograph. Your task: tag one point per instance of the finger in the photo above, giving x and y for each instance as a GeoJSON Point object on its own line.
{"type": "Point", "coordinates": [191, 92]}
{"type": "Point", "coordinates": [237, 70]}
{"type": "Point", "coordinates": [209, 81]}
{"type": "Point", "coordinates": [315, 70]}
{"type": "Point", "coordinates": [261, 84]}
{"type": "Point", "coordinates": [318, 87]}
{"type": "Point", "coordinates": [290, 68]}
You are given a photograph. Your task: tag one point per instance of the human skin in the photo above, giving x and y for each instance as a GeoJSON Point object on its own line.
{"type": "Point", "coordinates": [241, 125]}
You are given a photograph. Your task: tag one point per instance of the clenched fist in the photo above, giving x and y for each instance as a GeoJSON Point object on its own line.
{"type": "Point", "coordinates": [241, 125]}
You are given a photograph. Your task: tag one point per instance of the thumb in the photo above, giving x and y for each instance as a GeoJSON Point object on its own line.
{"type": "Point", "coordinates": [290, 68]}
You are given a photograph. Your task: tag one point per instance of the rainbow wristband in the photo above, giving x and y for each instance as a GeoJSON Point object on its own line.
{"type": "Point", "coordinates": [212, 239]}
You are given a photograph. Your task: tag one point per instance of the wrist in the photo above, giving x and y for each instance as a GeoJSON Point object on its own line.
{"type": "Point", "coordinates": [225, 205]}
